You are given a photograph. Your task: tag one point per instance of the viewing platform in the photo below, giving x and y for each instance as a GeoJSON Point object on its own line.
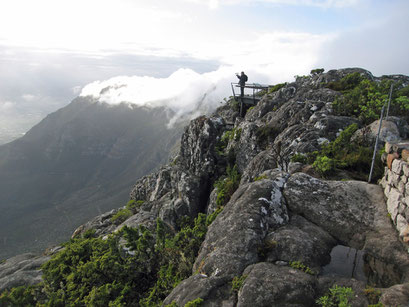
{"type": "Point", "coordinates": [251, 94]}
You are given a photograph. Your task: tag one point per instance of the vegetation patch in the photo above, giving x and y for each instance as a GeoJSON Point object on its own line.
{"type": "Point", "coordinates": [237, 283]}
{"type": "Point", "coordinates": [121, 216]}
{"type": "Point", "coordinates": [132, 267]}
{"type": "Point", "coordinates": [302, 267]}
{"type": "Point", "coordinates": [195, 303]}
{"type": "Point", "coordinates": [299, 157]}
{"type": "Point", "coordinates": [344, 153]}
{"type": "Point", "coordinates": [266, 135]}
{"type": "Point", "coordinates": [261, 177]}
{"type": "Point", "coordinates": [317, 71]}
{"type": "Point", "coordinates": [130, 209]}
{"type": "Point", "coordinates": [363, 98]}
{"type": "Point", "coordinates": [373, 295]}
{"type": "Point", "coordinates": [227, 185]}
{"type": "Point", "coordinates": [337, 296]}
{"type": "Point", "coordinates": [276, 87]}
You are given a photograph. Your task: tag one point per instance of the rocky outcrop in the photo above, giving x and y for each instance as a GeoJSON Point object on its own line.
{"type": "Point", "coordinates": [278, 230]}
{"type": "Point", "coordinates": [260, 244]}
{"type": "Point", "coordinates": [21, 270]}
{"type": "Point", "coordinates": [268, 284]}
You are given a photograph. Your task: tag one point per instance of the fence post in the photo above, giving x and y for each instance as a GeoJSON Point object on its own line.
{"type": "Point", "coordinates": [389, 102]}
{"type": "Point", "coordinates": [376, 144]}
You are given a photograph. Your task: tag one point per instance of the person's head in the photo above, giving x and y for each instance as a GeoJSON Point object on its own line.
{"type": "Point", "coordinates": [242, 72]}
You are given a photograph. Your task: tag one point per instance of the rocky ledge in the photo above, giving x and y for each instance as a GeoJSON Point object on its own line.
{"type": "Point", "coordinates": [277, 240]}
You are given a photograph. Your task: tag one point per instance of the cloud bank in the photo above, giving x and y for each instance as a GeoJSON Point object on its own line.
{"type": "Point", "coordinates": [269, 58]}
{"type": "Point", "coordinates": [185, 91]}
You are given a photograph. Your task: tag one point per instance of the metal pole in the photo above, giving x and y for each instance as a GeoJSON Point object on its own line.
{"type": "Point", "coordinates": [376, 144]}
{"type": "Point", "coordinates": [232, 88]}
{"type": "Point", "coordinates": [389, 102]}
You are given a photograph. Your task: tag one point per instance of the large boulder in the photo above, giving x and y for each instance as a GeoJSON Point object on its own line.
{"type": "Point", "coordinates": [343, 208]}
{"type": "Point", "coordinates": [300, 240]}
{"type": "Point", "coordinates": [267, 284]}
{"type": "Point", "coordinates": [355, 214]}
{"type": "Point", "coordinates": [233, 240]}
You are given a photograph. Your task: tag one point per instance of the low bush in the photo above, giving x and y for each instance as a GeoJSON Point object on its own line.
{"type": "Point", "coordinates": [343, 153]}
{"type": "Point", "coordinates": [276, 87]}
{"type": "Point", "coordinates": [237, 283]}
{"type": "Point", "coordinates": [317, 71]}
{"type": "Point", "coordinates": [121, 216]}
{"type": "Point", "coordinates": [363, 98]}
{"type": "Point", "coordinates": [131, 267]}
{"type": "Point", "coordinates": [337, 296]}
{"type": "Point", "coordinates": [302, 267]}
{"type": "Point", "coordinates": [227, 185]}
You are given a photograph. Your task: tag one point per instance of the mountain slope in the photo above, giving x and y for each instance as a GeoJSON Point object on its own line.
{"type": "Point", "coordinates": [76, 163]}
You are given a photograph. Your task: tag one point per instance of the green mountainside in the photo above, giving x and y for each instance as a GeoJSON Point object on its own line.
{"type": "Point", "coordinates": [77, 163]}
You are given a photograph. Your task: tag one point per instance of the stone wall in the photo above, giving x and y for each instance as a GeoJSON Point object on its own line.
{"type": "Point", "coordinates": [396, 188]}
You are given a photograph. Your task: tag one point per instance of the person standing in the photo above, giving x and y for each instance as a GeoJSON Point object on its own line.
{"type": "Point", "coordinates": [242, 82]}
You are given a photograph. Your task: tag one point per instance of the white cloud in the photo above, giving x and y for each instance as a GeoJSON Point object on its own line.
{"type": "Point", "coordinates": [268, 59]}
{"type": "Point", "coordinates": [7, 106]}
{"type": "Point", "coordinates": [28, 97]}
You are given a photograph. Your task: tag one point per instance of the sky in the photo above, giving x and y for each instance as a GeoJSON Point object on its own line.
{"type": "Point", "coordinates": [54, 50]}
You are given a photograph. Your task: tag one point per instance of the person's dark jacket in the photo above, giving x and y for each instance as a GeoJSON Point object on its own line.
{"type": "Point", "coordinates": [242, 79]}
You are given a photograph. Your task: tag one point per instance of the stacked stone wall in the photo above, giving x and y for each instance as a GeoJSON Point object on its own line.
{"type": "Point", "coordinates": [396, 188]}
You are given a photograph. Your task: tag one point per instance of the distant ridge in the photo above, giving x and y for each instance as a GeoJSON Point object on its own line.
{"type": "Point", "coordinates": [76, 163]}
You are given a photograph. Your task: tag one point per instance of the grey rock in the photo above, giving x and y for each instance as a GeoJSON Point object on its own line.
{"type": "Point", "coordinates": [341, 208]}
{"type": "Point", "coordinates": [263, 161]}
{"type": "Point", "coordinates": [253, 209]}
{"type": "Point", "coordinates": [197, 153]}
{"type": "Point", "coordinates": [248, 145]}
{"type": "Point", "coordinates": [269, 285]}
{"type": "Point", "coordinates": [397, 295]}
{"type": "Point", "coordinates": [302, 241]}
{"type": "Point", "coordinates": [21, 270]}
{"type": "Point", "coordinates": [215, 291]}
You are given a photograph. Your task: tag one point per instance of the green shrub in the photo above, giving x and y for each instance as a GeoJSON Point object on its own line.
{"type": "Point", "coordinates": [22, 296]}
{"type": "Point", "coordinates": [92, 271]}
{"type": "Point", "coordinates": [133, 205]}
{"type": "Point", "coordinates": [227, 185]}
{"type": "Point", "coordinates": [299, 157]}
{"type": "Point", "coordinates": [195, 303]}
{"type": "Point", "coordinates": [348, 82]}
{"type": "Point", "coordinates": [302, 267]}
{"type": "Point", "coordinates": [261, 177]}
{"type": "Point", "coordinates": [121, 216]}
{"type": "Point", "coordinates": [229, 135]}
{"type": "Point", "coordinates": [373, 295]}
{"type": "Point", "coordinates": [343, 153]}
{"type": "Point", "coordinates": [364, 98]}
{"type": "Point", "coordinates": [338, 296]}
{"type": "Point", "coordinates": [317, 71]}
{"type": "Point", "coordinates": [324, 165]}
{"type": "Point", "coordinates": [276, 87]}
{"type": "Point", "coordinates": [237, 283]}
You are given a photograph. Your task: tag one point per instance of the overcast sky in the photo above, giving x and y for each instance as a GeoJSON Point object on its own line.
{"type": "Point", "coordinates": [51, 49]}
